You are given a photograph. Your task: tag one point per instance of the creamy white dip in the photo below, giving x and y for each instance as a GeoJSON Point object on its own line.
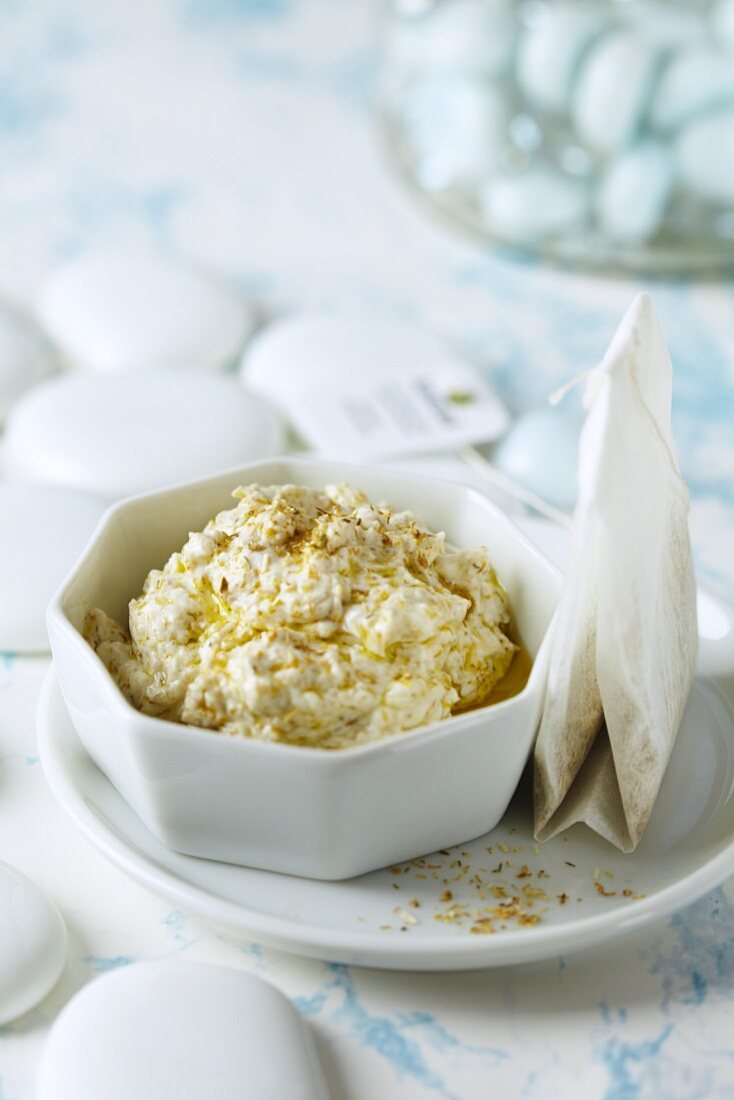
{"type": "Point", "coordinates": [313, 618]}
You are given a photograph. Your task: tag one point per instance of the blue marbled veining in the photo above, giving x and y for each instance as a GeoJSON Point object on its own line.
{"type": "Point", "coordinates": [311, 1005]}
{"type": "Point", "coordinates": [399, 1039]}
{"type": "Point", "coordinates": [28, 760]}
{"type": "Point", "coordinates": [442, 1039]}
{"type": "Point", "coordinates": [174, 923]}
{"type": "Point", "coordinates": [257, 955]}
{"type": "Point", "coordinates": [375, 1032]}
{"type": "Point", "coordinates": [102, 964]}
{"type": "Point", "coordinates": [697, 959]}
{"type": "Point", "coordinates": [627, 1063]}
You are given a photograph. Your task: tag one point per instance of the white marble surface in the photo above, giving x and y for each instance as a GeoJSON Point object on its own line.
{"type": "Point", "coordinates": [238, 131]}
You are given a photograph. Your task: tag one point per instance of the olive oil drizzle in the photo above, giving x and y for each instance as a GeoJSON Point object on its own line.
{"type": "Point", "coordinates": [512, 683]}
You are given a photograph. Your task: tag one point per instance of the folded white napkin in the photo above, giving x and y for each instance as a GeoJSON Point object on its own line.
{"type": "Point", "coordinates": [625, 644]}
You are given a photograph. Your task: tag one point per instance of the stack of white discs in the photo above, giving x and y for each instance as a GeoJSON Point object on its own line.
{"type": "Point", "coordinates": [121, 384]}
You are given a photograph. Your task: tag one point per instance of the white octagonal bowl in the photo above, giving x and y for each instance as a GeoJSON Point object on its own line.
{"type": "Point", "coordinates": [304, 811]}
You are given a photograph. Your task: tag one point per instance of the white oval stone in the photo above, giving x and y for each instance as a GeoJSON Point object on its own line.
{"type": "Point", "coordinates": [309, 349]}
{"type": "Point", "coordinates": [704, 157]}
{"type": "Point", "coordinates": [695, 81]}
{"type": "Point", "coordinates": [550, 51]}
{"type": "Point", "coordinates": [304, 353]}
{"type": "Point", "coordinates": [361, 386]}
{"type": "Point", "coordinates": [464, 36]}
{"type": "Point", "coordinates": [32, 944]}
{"type": "Point", "coordinates": [44, 530]}
{"type": "Point", "coordinates": [176, 1030]}
{"type": "Point", "coordinates": [26, 357]}
{"type": "Point", "coordinates": [633, 193]}
{"type": "Point", "coordinates": [533, 205]}
{"type": "Point", "coordinates": [613, 90]}
{"type": "Point", "coordinates": [455, 126]}
{"type": "Point", "coordinates": [124, 310]}
{"type": "Point", "coordinates": [126, 433]}
{"type": "Point", "coordinates": [541, 451]}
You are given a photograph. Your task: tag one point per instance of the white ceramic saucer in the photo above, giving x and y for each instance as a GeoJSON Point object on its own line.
{"type": "Point", "coordinates": [571, 893]}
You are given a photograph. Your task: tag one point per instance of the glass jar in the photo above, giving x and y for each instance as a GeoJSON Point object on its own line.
{"type": "Point", "coordinates": [590, 131]}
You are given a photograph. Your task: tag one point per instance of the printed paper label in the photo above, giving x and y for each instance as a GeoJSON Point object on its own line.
{"type": "Point", "coordinates": [438, 408]}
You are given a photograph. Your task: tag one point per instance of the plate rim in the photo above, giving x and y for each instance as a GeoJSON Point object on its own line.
{"type": "Point", "coordinates": [460, 951]}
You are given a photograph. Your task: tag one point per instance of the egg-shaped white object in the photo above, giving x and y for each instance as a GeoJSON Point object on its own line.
{"type": "Point", "coordinates": [44, 530]}
{"type": "Point", "coordinates": [695, 81]}
{"type": "Point", "coordinates": [126, 433]}
{"type": "Point", "coordinates": [535, 204]}
{"type": "Point", "coordinates": [550, 51]}
{"type": "Point", "coordinates": [312, 361]}
{"type": "Point", "coordinates": [26, 357]}
{"type": "Point", "coordinates": [455, 126]}
{"type": "Point", "coordinates": [176, 1030]}
{"type": "Point", "coordinates": [115, 309]}
{"type": "Point", "coordinates": [613, 90]}
{"type": "Point", "coordinates": [633, 193]}
{"type": "Point", "coordinates": [32, 944]}
{"type": "Point", "coordinates": [315, 348]}
{"type": "Point", "coordinates": [541, 452]}
{"type": "Point", "coordinates": [704, 157]}
{"type": "Point", "coordinates": [465, 36]}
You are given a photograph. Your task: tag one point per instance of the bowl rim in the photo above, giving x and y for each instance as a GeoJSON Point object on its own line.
{"type": "Point", "coordinates": [167, 729]}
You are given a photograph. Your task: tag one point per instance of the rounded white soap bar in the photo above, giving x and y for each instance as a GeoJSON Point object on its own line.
{"type": "Point", "coordinates": [309, 350]}
{"type": "Point", "coordinates": [695, 81]}
{"type": "Point", "coordinates": [541, 451]}
{"type": "Point", "coordinates": [25, 357]}
{"type": "Point", "coordinates": [176, 1030]}
{"type": "Point", "coordinates": [32, 944]}
{"type": "Point", "coordinates": [126, 433]}
{"type": "Point", "coordinates": [122, 310]}
{"type": "Point", "coordinates": [535, 204]}
{"type": "Point", "coordinates": [44, 530]}
{"type": "Point", "coordinates": [632, 195]}
{"type": "Point", "coordinates": [705, 157]}
{"type": "Point", "coordinates": [613, 89]}
{"type": "Point", "coordinates": [550, 52]}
